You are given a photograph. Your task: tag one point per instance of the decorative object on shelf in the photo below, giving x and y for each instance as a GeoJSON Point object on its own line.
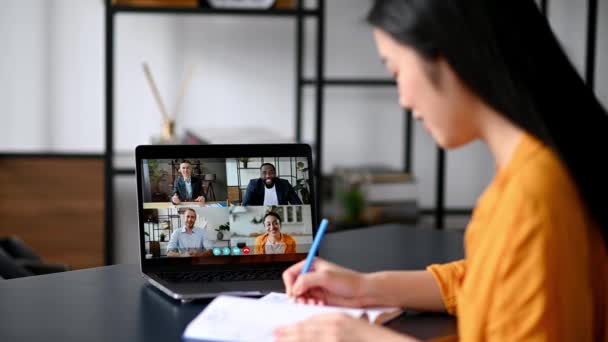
{"type": "Point", "coordinates": [208, 180]}
{"type": "Point", "coordinates": [155, 248]}
{"type": "Point", "coordinates": [223, 231]}
{"type": "Point", "coordinates": [167, 135]}
{"type": "Point", "coordinates": [256, 220]}
{"type": "Point", "coordinates": [162, 237]}
{"type": "Point", "coordinates": [291, 214]}
{"type": "Point", "coordinates": [241, 4]}
{"type": "Point", "coordinates": [236, 210]}
{"type": "Point", "coordinates": [156, 3]}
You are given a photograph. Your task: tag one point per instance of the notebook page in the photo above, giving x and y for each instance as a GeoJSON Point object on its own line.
{"type": "Point", "coordinates": [372, 313]}
{"type": "Point", "coordinates": [244, 319]}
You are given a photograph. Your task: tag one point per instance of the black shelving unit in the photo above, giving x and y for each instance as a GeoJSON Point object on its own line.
{"type": "Point", "coordinates": [299, 14]}
{"type": "Point", "coordinates": [318, 82]}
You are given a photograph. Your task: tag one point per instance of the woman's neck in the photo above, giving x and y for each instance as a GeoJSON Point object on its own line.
{"type": "Point", "coordinates": [271, 238]}
{"type": "Point", "coordinates": [501, 136]}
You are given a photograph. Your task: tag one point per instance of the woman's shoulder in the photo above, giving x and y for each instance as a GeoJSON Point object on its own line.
{"type": "Point", "coordinates": [542, 177]}
{"type": "Point", "coordinates": [288, 239]}
{"type": "Point", "coordinates": [535, 186]}
{"type": "Point", "coordinates": [261, 237]}
{"type": "Point", "coordinates": [541, 194]}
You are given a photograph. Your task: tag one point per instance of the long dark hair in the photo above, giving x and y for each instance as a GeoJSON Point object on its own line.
{"type": "Point", "coordinates": [506, 53]}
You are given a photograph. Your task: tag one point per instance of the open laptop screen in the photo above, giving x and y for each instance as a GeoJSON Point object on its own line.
{"type": "Point", "coordinates": [226, 210]}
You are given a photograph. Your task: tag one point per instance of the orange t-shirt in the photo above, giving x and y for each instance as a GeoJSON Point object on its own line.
{"type": "Point", "coordinates": [260, 243]}
{"type": "Point", "coordinates": [536, 266]}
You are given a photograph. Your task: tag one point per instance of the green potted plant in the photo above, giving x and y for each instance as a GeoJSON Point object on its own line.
{"type": "Point", "coordinates": [158, 181]}
{"type": "Point", "coordinates": [353, 202]}
{"type": "Point", "coordinates": [223, 231]}
{"type": "Point", "coordinates": [162, 237]}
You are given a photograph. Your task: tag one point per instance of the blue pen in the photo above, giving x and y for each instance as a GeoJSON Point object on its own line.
{"type": "Point", "coordinates": [315, 246]}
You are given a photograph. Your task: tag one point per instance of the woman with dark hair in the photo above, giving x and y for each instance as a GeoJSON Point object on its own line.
{"type": "Point", "coordinates": [274, 241]}
{"type": "Point", "coordinates": [536, 262]}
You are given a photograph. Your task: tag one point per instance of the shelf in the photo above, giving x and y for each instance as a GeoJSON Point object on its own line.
{"type": "Point", "coordinates": [212, 11]}
{"type": "Point", "coordinates": [353, 82]}
{"type": "Point", "coordinates": [123, 172]}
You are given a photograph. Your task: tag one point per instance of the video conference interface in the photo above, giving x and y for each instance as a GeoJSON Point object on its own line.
{"type": "Point", "coordinates": [202, 207]}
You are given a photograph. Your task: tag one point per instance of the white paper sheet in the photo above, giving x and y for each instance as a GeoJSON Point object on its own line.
{"type": "Point", "coordinates": [372, 313]}
{"type": "Point", "coordinates": [244, 319]}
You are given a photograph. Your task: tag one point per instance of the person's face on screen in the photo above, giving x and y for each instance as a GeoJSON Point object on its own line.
{"type": "Point", "coordinates": [186, 170]}
{"type": "Point", "coordinates": [433, 91]}
{"type": "Point", "coordinates": [267, 173]}
{"type": "Point", "coordinates": [273, 226]}
{"type": "Point", "coordinates": [189, 218]}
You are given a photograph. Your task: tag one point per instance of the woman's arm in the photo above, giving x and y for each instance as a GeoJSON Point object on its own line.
{"type": "Point", "coordinates": [416, 290]}
{"type": "Point", "coordinates": [330, 284]}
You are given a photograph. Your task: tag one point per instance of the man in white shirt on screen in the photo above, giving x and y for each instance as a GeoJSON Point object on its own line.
{"type": "Point", "coordinates": [270, 189]}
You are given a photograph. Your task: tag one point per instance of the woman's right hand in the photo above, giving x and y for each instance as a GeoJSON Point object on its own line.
{"type": "Point", "coordinates": [326, 284]}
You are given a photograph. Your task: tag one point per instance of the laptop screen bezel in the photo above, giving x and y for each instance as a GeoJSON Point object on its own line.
{"type": "Point", "coordinates": [143, 152]}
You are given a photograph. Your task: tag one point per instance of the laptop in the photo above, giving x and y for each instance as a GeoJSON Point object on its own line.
{"type": "Point", "coordinates": [223, 219]}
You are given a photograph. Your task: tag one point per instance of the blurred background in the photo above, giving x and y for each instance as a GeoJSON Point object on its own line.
{"type": "Point", "coordinates": [71, 67]}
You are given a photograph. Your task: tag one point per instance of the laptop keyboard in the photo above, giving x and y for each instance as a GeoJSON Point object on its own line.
{"type": "Point", "coordinates": [208, 276]}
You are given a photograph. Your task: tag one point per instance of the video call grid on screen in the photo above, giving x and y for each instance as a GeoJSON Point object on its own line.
{"type": "Point", "coordinates": [218, 207]}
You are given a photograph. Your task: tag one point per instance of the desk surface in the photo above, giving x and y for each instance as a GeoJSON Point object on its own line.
{"type": "Point", "coordinates": [114, 303]}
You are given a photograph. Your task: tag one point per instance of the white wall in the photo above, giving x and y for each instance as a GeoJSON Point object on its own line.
{"type": "Point", "coordinates": [601, 69]}
{"type": "Point", "coordinates": [52, 89]}
{"type": "Point", "coordinates": [24, 75]}
{"type": "Point", "coordinates": [75, 68]}
{"type": "Point", "coordinates": [569, 22]}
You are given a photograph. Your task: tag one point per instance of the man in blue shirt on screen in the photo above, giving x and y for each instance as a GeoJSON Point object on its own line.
{"type": "Point", "coordinates": [188, 240]}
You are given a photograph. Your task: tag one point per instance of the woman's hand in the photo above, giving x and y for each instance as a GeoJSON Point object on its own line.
{"type": "Point", "coordinates": [326, 284]}
{"type": "Point", "coordinates": [336, 327]}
